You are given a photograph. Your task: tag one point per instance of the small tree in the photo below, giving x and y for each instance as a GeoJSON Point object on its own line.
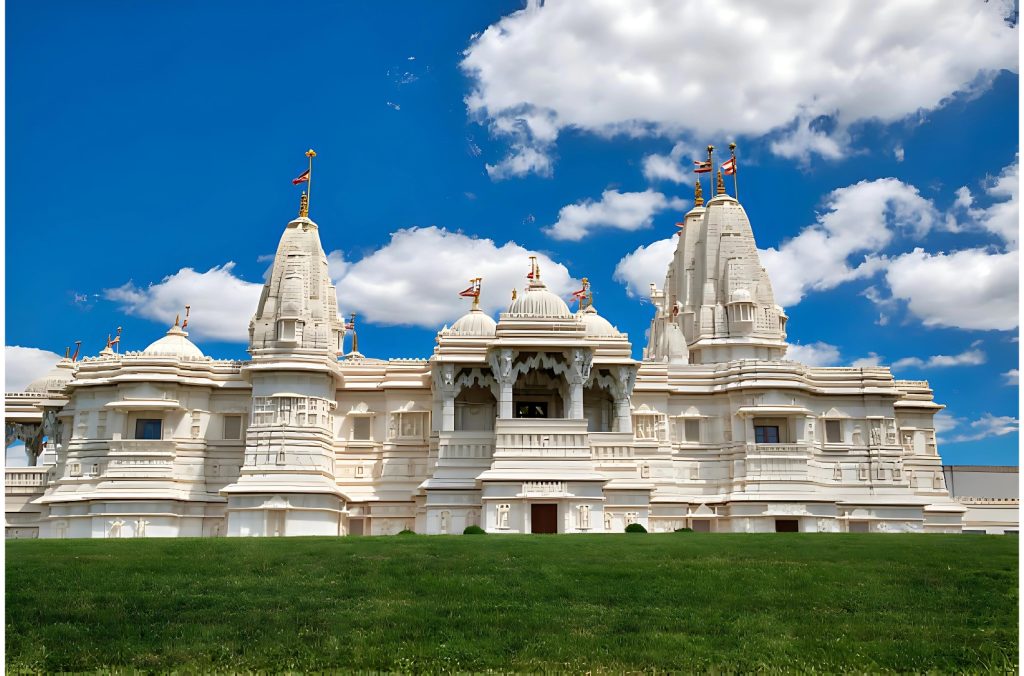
{"type": "Point", "coordinates": [636, 528]}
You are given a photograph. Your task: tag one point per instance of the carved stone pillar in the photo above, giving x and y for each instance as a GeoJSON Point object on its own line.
{"type": "Point", "coordinates": [444, 381]}
{"type": "Point", "coordinates": [501, 366]}
{"type": "Point", "coordinates": [578, 374]}
{"type": "Point", "coordinates": [625, 378]}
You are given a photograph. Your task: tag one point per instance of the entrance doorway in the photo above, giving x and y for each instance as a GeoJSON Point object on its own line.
{"type": "Point", "coordinates": [787, 526]}
{"type": "Point", "coordinates": [543, 518]}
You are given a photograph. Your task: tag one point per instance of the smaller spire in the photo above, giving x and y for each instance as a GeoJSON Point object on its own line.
{"type": "Point", "coordinates": [721, 184]}
{"type": "Point", "coordinates": [304, 205]}
{"type": "Point", "coordinates": [698, 194]}
{"type": "Point", "coordinates": [184, 324]}
{"type": "Point", "coordinates": [67, 352]}
{"type": "Point", "coordinates": [177, 319]}
{"type": "Point", "coordinates": [513, 294]}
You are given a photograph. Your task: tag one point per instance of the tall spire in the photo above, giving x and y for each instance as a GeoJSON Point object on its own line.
{"type": "Point", "coordinates": [721, 184]}
{"type": "Point", "coordinates": [304, 205]}
{"type": "Point", "coordinates": [698, 194]}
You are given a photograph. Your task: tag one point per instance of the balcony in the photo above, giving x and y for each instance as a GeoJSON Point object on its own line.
{"type": "Point", "coordinates": [611, 445]}
{"type": "Point", "coordinates": [465, 445]}
{"type": "Point", "coordinates": [779, 450]}
{"type": "Point", "coordinates": [142, 447]}
{"type": "Point", "coordinates": [541, 437]}
{"type": "Point", "coordinates": [26, 480]}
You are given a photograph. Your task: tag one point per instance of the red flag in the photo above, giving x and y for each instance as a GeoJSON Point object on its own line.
{"type": "Point", "coordinates": [529, 275]}
{"type": "Point", "coordinates": [702, 167]}
{"type": "Point", "coordinates": [729, 166]}
{"type": "Point", "coordinates": [301, 178]}
{"type": "Point", "coordinates": [579, 294]}
{"type": "Point", "coordinates": [350, 326]}
{"type": "Point", "coordinates": [469, 293]}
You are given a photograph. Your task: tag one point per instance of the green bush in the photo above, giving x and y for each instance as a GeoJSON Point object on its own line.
{"type": "Point", "coordinates": [474, 530]}
{"type": "Point", "coordinates": [635, 528]}
{"type": "Point", "coordinates": [406, 531]}
{"type": "Point", "coordinates": [684, 530]}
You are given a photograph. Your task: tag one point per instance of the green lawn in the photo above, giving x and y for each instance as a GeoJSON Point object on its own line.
{"type": "Point", "coordinates": [680, 601]}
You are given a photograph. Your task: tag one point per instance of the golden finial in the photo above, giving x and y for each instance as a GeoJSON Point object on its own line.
{"type": "Point", "coordinates": [177, 319]}
{"type": "Point", "coordinates": [698, 195]}
{"type": "Point", "coordinates": [732, 146]}
{"type": "Point", "coordinates": [310, 153]}
{"type": "Point", "coordinates": [304, 205]}
{"type": "Point", "coordinates": [67, 352]}
{"type": "Point", "coordinates": [513, 294]}
{"type": "Point", "coordinates": [721, 184]}
{"type": "Point", "coordinates": [184, 324]}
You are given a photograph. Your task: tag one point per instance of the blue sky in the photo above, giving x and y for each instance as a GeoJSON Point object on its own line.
{"type": "Point", "coordinates": [150, 149]}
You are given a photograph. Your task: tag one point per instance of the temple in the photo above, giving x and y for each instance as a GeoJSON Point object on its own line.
{"type": "Point", "coordinates": [539, 421]}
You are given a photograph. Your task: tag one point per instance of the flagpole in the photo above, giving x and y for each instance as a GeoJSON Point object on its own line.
{"type": "Point", "coordinates": [735, 181]}
{"type": "Point", "coordinates": [309, 179]}
{"type": "Point", "coordinates": [711, 161]}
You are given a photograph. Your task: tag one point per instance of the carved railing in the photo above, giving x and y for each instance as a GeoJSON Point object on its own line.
{"type": "Point", "coordinates": [543, 437]}
{"type": "Point", "coordinates": [465, 445]}
{"type": "Point", "coordinates": [26, 477]}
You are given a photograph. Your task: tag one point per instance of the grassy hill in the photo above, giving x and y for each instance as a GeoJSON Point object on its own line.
{"type": "Point", "coordinates": [457, 603]}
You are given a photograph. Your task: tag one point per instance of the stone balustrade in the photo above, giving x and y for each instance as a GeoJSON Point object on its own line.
{"type": "Point", "coordinates": [465, 445]}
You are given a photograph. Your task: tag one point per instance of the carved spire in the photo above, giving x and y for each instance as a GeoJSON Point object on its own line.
{"type": "Point", "coordinates": [304, 205]}
{"type": "Point", "coordinates": [698, 194]}
{"type": "Point", "coordinates": [721, 184]}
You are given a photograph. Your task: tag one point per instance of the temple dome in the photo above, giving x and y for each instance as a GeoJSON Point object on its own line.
{"type": "Point", "coordinates": [175, 343]}
{"type": "Point", "coordinates": [476, 322]}
{"type": "Point", "coordinates": [597, 326]}
{"type": "Point", "coordinates": [537, 301]}
{"type": "Point", "coordinates": [55, 379]}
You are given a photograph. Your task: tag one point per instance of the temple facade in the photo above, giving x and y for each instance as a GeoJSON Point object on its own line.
{"type": "Point", "coordinates": [541, 421]}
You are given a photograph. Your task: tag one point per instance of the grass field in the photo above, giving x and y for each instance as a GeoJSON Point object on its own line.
{"type": "Point", "coordinates": [459, 603]}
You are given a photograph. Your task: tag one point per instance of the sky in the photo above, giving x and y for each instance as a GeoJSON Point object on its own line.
{"type": "Point", "coordinates": [151, 147]}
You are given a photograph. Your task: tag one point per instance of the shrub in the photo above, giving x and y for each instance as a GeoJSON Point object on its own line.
{"type": "Point", "coordinates": [406, 531]}
{"type": "Point", "coordinates": [684, 530]}
{"type": "Point", "coordinates": [474, 530]}
{"type": "Point", "coordinates": [635, 528]}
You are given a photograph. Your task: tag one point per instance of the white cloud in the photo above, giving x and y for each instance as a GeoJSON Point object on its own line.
{"type": "Point", "coordinates": [986, 426]}
{"type": "Point", "coordinates": [668, 167]}
{"type": "Point", "coordinates": [1012, 377]}
{"type": "Point", "coordinates": [646, 265]}
{"type": "Point", "coordinates": [22, 365]}
{"type": "Point", "coordinates": [814, 354]}
{"type": "Point", "coordinates": [969, 289]}
{"type": "Point", "coordinates": [860, 219]}
{"type": "Point", "coordinates": [749, 69]}
{"type": "Point", "coordinates": [873, 359]}
{"type": "Point", "coordinates": [1001, 218]}
{"type": "Point", "coordinates": [415, 278]}
{"type": "Point", "coordinates": [619, 210]}
{"type": "Point", "coordinates": [222, 304]}
{"type": "Point", "coordinates": [899, 153]}
{"type": "Point", "coordinates": [970, 357]}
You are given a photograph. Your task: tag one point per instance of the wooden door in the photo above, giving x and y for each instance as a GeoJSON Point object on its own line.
{"type": "Point", "coordinates": [544, 518]}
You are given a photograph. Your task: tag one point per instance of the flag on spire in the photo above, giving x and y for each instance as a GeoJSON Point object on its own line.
{"type": "Point", "coordinates": [729, 166]}
{"type": "Point", "coordinates": [702, 167]}
{"type": "Point", "coordinates": [301, 178]}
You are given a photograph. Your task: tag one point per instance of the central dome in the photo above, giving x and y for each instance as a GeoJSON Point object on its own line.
{"type": "Point", "coordinates": [175, 343]}
{"type": "Point", "coordinates": [537, 301]}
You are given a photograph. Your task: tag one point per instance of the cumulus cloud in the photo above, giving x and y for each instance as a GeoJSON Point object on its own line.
{"type": "Point", "coordinates": [873, 359]}
{"type": "Point", "coordinates": [945, 422]}
{"type": "Point", "coordinates": [412, 280]}
{"type": "Point", "coordinates": [968, 289]}
{"type": "Point", "coordinates": [619, 210]}
{"type": "Point", "coordinates": [415, 278]}
{"type": "Point", "coordinates": [645, 266]}
{"type": "Point", "coordinates": [674, 69]}
{"type": "Point", "coordinates": [986, 426]}
{"type": "Point", "coordinates": [222, 304]}
{"type": "Point", "coordinates": [970, 357]}
{"type": "Point", "coordinates": [814, 354]}
{"type": "Point", "coordinates": [1002, 217]}
{"type": "Point", "coordinates": [860, 219]}
{"type": "Point", "coordinates": [676, 167]}
{"type": "Point", "coordinates": [22, 365]}
{"type": "Point", "coordinates": [1012, 377]}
